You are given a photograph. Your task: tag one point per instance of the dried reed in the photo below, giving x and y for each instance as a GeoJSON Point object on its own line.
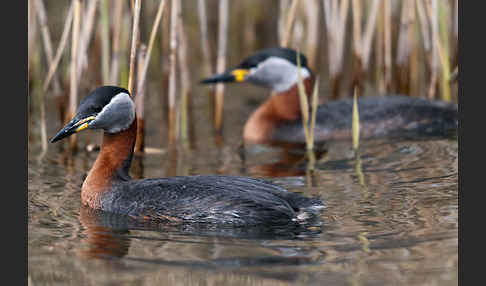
{"type": "Point", "coordinates": [143, 65]}
{"type": "Point", "coordinates": [309, 131]}
{"type": "Point", "coordinates": [46, 37]}
{"type": "Point", "coordinates": [185, 81]}
{"type": "Point", "coordinates": [105, 41]}
{"type": "Point", "coordinates": [336, 27]}
{"type": "Point", "coordinates": [172, 70]}
{"type": "Point", "coordinates": [133, 49]}
{"type": "Point", "coordinates": [139, 100]}
{"type": "Point", "coordinates": [362, 43]}
{"type": "Point", "coordinates": [289, 23]}
{"type": "Point", "coordinates": [86, 35]}
{"type": "Point", "coordinates": [221, 61]}
{"type": "Point", "coordinates": [60, 49]}
{"type": "Point", "coordinates": [73, 95]}
{"type": "Point", "coordinates": [203, 29]}
{"type": "Point", "coordinates": [437, 41]}
{"type": "Point", "coordinates": [115, 52]}
{"type": "Point", "coordinates": [312, 30]}
{"type": "Point", "coordinates": [432, 11]}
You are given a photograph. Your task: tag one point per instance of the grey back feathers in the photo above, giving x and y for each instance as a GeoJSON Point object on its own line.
{"type": "Point", "coordinates": [115, 116]}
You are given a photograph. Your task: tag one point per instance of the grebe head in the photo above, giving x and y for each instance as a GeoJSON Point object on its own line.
{"type": "Point", "coordinates": [108, 107]}
{"type": "Point", "coordinates": [273, 68]}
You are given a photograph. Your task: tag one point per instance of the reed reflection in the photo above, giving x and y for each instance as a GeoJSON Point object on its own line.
{"type": "Point", "coordinates": [292, 160]}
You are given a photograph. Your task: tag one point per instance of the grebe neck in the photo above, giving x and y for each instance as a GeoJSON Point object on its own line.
{"type": "Point", "coordinates": [277, 109]}
{"type": "Point", "coordinates": [112, 164]}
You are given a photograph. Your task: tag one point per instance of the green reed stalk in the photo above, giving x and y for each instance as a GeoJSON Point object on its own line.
{"type": "Point", "coordinates": [304, 105]}
{"type": "Point", "coordinates": [444, 53]}
{"type": "Point", "coordinates": [355, 121]}
{"type": "Point", "coordinates": [314, 105]}
{"type": "Point", "coordinates": [309, 131]}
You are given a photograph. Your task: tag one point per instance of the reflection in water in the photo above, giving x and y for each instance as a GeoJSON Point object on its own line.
{"type": "Point", "coordinates": [108, 236]}
{"type": "Point", "coordinates": [103, 241]}
{"type": "Point", "coordinates": [292, 159]}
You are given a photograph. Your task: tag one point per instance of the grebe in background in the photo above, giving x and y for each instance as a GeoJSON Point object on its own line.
{"type": "Point", "coordinates": [279, 117]}
{"type": "Point", "coordinates": [198, 199]}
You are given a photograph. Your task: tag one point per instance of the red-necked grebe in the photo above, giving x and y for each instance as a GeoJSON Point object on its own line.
{"type": "Point", "coordinates": [279, 117]}
{"type": "Point", "coordinates": [200, 199]}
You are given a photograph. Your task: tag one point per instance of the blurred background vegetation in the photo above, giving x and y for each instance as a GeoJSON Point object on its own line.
{"type": "Point", "coordinates": [380, 46]}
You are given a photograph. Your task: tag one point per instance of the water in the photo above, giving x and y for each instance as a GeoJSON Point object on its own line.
{"type": "Point", "coordinates": [391, 220]}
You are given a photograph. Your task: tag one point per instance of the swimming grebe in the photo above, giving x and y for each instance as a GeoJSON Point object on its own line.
{"type": "Point", "coordinates": [201, 199]}
{"type": "Point", "coordinates": [279, 117]}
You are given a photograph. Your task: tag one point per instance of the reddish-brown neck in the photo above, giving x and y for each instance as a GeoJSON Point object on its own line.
{"type": "Point", "coordinates": [280, 107]}
{"type": "Point", "coordinates": [112, 163]}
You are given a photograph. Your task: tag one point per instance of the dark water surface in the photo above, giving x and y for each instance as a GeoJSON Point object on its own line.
{"type": "Point", "coordinates": [393, 220]}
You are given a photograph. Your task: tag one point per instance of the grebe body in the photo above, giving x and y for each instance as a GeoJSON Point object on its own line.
{"type": "Point", "coordinates": [196, 199]}
{"type": "Point", "coordinates": [279, 117]}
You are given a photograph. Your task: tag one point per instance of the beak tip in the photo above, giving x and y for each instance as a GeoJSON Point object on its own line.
{"type": "Point", "coordinates": [223, 78]}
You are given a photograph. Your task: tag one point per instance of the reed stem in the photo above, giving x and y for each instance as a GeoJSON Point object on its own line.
{"type": "Point", "coordinates": [444, 50]}
{"type": "Point", "coordinates": [115, 53]}
{"type": "Point", "coordinates": [172, 71]}
{"type": "Point", "coordinates": [221, 61]}
{"type": "Point", "coordinates": [289, 23]}
{"type": "Point", "coordinates": [60, 49]}
{"type": "Point", "coordinates": [46, 37]}
{"type": "Point", "coordinates": [335, 28]}
{"type": "Point", "coordinates": [73, 95]}
{"type": "Point", "coordinates": [355, 121]}
{"type": "Point", "coordinates": [105, 41]}
{"type": "Point", "coordinates": [312, 20]}
{"type": "Point", "coordinates": [434, 63]}
{"type": "Point", "coordinates": [185, 81]}
{"type": "Point", "coordinates": [139, 101]}
{"type": "Point", "coordinates": [153, 34]}
{"type": "Point", "coordinates": [86, 35]}
{"type": "Point", "coordinates": [133, 49]}
{"type": "Point", "coordinates": [203, 28]}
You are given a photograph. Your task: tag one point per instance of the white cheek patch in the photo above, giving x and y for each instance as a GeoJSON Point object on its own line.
{"type": "Point", "coordinates": [277, 74]}
{"type": "Point", "coordinates": [117, 115]}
